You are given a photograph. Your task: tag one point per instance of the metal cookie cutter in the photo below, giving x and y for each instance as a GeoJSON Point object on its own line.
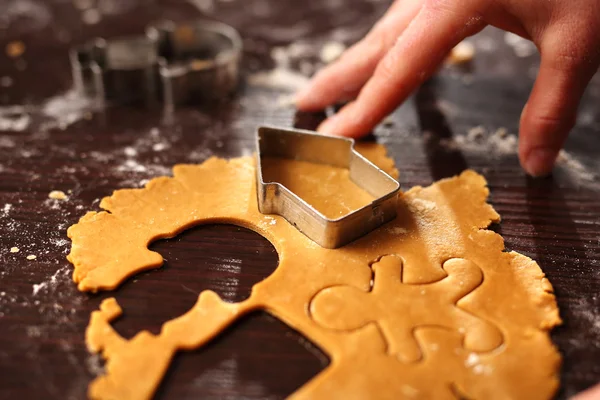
{"type": "Point", "coordinates": [302, 145]}
{"type": "Point", "coordinates": [171, 63]}
{"type": "Point", "coordinates": [121, 69]}
{"type": "Point", "coordinates": [197, 60]}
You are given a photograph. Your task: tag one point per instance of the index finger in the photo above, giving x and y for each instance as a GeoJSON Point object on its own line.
{"type": "Point", "coordinates": [344, 78]}
{"type": "Point", "coordinates": [437, 28]}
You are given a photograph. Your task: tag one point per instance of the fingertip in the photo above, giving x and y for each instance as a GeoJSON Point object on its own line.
{"type": "Point", "coordinates": [330, 126]}
{"type": "Point", "coordinates": [338, 126]}
{"type": "Point", "coordinates": [306, 100]}
{"type": "Point", "coordinates": [539, 162]}
{"type": "Point", "coordinates": [351, 121]}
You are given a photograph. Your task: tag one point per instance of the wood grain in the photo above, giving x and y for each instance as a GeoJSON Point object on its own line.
{"type": "Point", "coordinates": [43, 317]}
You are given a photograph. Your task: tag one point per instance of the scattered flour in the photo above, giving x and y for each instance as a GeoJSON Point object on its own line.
{"type": "Point", "coordinates": [6, 210]}
{"type": "Point", "coordinates": [160, 146]}
{"type": "Point", "coordinates": [65, 109]}
{"type": "Point", "coordinates": [94, 364]}
{"type": "Point", "coordinates": [59, 242]}
{"type": "Point", "coordinates": [17, 123]}
{"type": "Point", "coordinates": [499, 143]}
{"type": "Point", "coordinates": [130, 152]}
{"type": "Point", "coordinates": [279, 78]}
{"type": "Point", "coordinates": [478, 140]}
{"type": "Point", "coordinates": [56, 112]}
{"type": "Point", "coordinates": [396, 230]}
{"type": "Point", "coordinates": [34, 331]}
{"type": "Point", "coordinates": [302, 53]}
{"type": "Point", "coordinates": [331, 51]}
{"type": "Point", "coordinates": [37, 287]}
{"type": "Point", "coordinates": [13, 121]}
{"type": "Point", "coordinates": [131, 166]}
{"type": "Point", "coordinates": [36, 14]}
{"type": "Point", "coordinates": [575, 166]}
{"type": "Point", "coordinates": [52, 282]}
{"type": "Point", "coordinates": [7, 142]}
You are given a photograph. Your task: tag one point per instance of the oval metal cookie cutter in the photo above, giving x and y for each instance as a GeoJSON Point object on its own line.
{"type": "Point", "coordinates": [173, 63]}
{"type": "Point", "coordinates": [197, 60]}
{"type": "Point", "coordinates": [303, 145]}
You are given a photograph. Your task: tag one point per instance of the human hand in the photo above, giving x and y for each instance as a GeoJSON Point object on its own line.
{"type": "Point", "coordinates": [414, 37]}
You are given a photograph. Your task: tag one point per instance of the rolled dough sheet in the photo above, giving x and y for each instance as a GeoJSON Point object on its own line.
{"type": "Point", "coordinates": [427, 306]}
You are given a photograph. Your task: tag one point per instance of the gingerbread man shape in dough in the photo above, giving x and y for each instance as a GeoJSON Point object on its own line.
{"type": "Point", "coordinates": [399, 308]}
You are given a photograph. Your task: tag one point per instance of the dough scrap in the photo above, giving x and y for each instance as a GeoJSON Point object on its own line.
{"type": "Point", "coordinates": [439, 235]}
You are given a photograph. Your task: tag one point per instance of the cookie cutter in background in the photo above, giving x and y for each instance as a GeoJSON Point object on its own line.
{"type": "Point", "coordinates": [119, 70]}
{"type": "Point", "coordinates": [196, 60]}
{"type": "Point", "coordinates": [297, 144]}
{"type": "Point", "coordinates": [171, 63]}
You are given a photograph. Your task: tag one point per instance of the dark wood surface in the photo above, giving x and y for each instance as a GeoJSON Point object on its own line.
{"type": "Point", "coordinates": [43, 317]}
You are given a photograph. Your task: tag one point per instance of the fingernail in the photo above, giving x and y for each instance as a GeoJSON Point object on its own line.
{"type": "Point", "coordinates": [540, 161]}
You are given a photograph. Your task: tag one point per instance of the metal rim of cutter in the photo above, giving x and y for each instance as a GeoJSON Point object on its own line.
{"type": "Point", "coordinates": [304, 145]}
{"type": "Point", "coordinates": [144, 67]}
{"type": "Point", "coordinates": [121, 69]}
{"type": "Point", "coordinates": [196, 59]}
{"type": "Point", "coordinates": [169, 35]}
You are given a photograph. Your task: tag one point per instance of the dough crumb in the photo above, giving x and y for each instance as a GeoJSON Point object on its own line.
{"type": "Point", "coordinates": [462, 53]}
{"type": "Point", "coordinates": [14, 250]}
{"type": "Point", "coordinates": [31, 257]}
{"type": "Point", "coordinates": [15, 49]}
{"type": "Point", "coordinates": [57, 195]}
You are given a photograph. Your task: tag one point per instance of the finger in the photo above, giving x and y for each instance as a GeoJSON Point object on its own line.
{"type": "Point", "coordinates": [551, 111]}
{"type": "Point", "coordinates": [345, 77]}
{"type": "Point", "coordinates": [590, 394]}
{"type": "Point", "coordinates": [438, 27]}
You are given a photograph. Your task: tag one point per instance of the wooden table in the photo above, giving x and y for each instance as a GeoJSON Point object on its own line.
{"type": "Point", "coordinates": [57, 145]}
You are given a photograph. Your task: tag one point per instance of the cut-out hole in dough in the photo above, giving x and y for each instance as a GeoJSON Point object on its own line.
{"type": "Point", "coordinates": [258, 357]}
{"type": "Point", "coordinates": [226, 259]}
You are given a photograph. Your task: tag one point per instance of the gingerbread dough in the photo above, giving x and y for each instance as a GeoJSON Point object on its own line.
{"type": "Point", "coordinates": [427, 306]}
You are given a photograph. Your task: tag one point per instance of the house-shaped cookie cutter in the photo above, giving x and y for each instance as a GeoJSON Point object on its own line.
{"type": "Point", "coordinates": [172, 63]}
{"type": "Point", "coordinates": [303, 145]}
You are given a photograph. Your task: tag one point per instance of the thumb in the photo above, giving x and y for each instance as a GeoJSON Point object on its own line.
{"type": "Point", "coordinates": [551, 110]}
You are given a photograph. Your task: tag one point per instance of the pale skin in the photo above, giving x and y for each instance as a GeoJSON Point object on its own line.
{"type": "Point", "coordinates": [414, 37]}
